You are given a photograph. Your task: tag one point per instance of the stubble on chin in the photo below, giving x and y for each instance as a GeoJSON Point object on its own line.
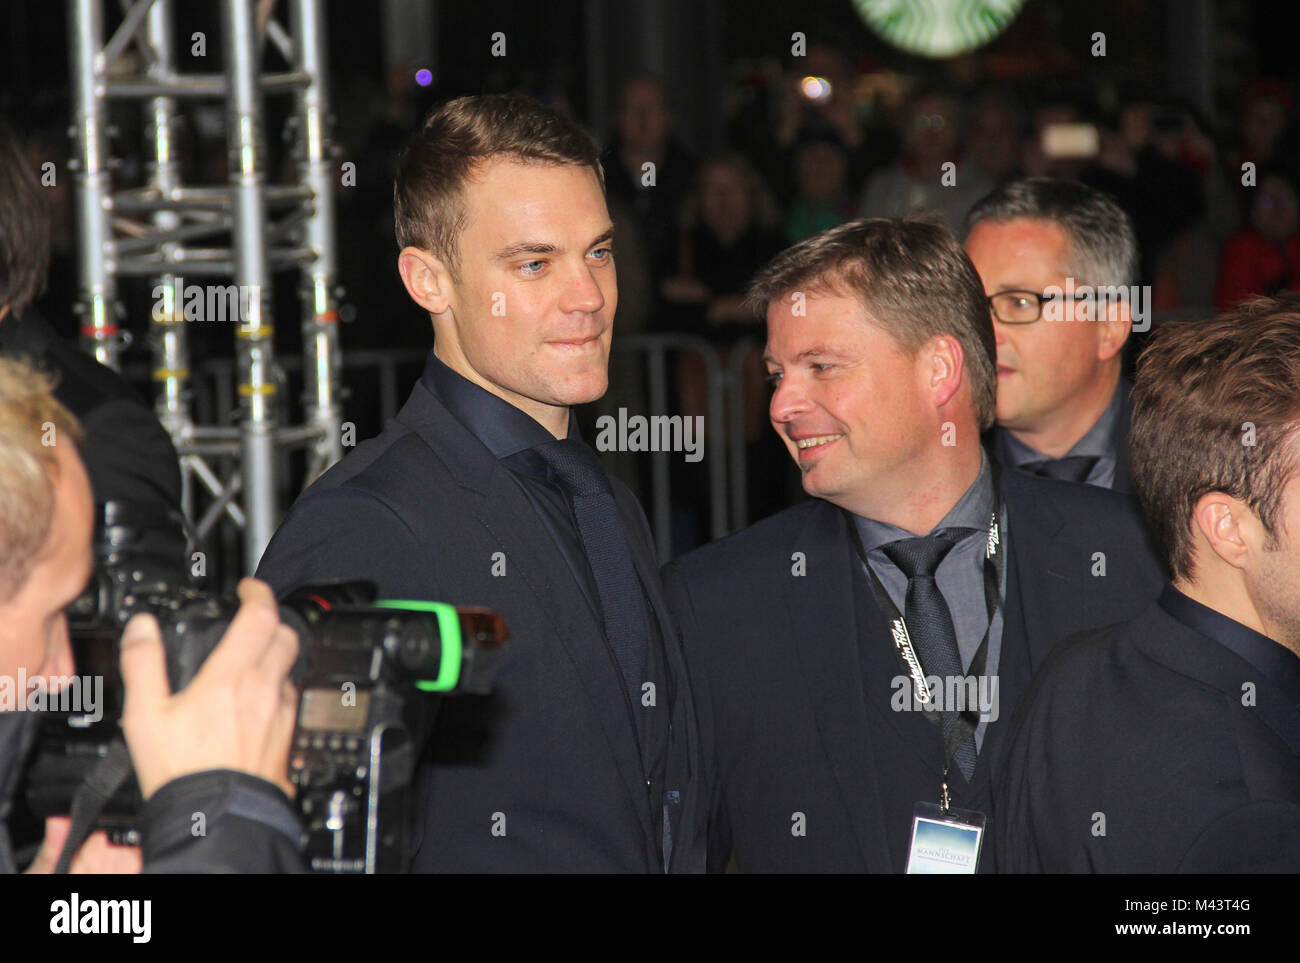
{"type": "Point", "coordinates": [1277, 596]}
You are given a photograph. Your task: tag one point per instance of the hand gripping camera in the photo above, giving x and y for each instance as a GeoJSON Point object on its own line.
{"type": "Point", "coordinates": [369, 674]}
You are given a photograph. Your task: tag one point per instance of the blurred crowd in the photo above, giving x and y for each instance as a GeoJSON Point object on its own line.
{"type": "Point", "coordinates": [1215, 210]}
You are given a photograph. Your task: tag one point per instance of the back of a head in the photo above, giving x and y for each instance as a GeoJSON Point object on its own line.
{"type": "Point", "coordinates": [1103, 244]}
{"type": "Point", "coordinates": [32, 422]}
{"type": "Point", "coordinates": [1216, 408]}
{"type": "Point", "coordinates": [914, 280]}
{"type": "Point", "coordinates": [24, 227]}
{"type": "Point", "coordinates": [428, 195]}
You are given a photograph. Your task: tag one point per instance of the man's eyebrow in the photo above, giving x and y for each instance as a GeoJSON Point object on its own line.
{"type": "Point", "coordinates": [820, 351]}
{"type": "Point", "coordinates": [525, 247]}
{"type": "Point", "coordinates": [545, 247]}
{"type": "Point", "coordinates": [817, 351]}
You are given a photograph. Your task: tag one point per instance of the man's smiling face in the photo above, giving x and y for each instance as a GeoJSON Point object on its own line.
{"type": "Point", "coordinates": [531, 308]}
{"type": "Point", "coordinates": [851, 406]}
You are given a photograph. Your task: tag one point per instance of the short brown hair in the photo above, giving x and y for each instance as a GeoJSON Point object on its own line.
{"type": "Point", "coordinates": [27, 409]}
{"type": "Point", "coordinates": [428, 195]}
{"type": "Point", "coordinates": [1216, 406]}
{"type": "Point", "coordinates": [24, 227]}
{"type": "Point", "coordinates": [913, 277]}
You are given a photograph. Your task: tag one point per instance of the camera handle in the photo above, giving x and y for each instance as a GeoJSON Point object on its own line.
{"type": "Point", "coordinates": [103, 781]}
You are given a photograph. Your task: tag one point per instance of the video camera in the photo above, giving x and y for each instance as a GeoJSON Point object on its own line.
{"type": "Point", "coordinates": [367, 673]}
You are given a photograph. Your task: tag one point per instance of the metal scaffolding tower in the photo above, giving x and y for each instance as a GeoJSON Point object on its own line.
{"type": "Point", "coordinates": [243, 230]}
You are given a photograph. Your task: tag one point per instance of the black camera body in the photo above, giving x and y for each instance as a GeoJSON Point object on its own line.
{"type": "Point", "coordinates": [368, 674]}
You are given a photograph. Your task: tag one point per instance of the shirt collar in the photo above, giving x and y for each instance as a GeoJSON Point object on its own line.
{"type": "Point", "coordinates": [504, 429]}
{"type": "Point", "coordinates": [1097, 442]}
{"type": "Point", "coordinates": [972, 510]}
{"type": "Point", "coordinates": [1272, 658]}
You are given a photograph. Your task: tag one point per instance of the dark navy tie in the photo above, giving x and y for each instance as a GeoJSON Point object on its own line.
{"type": "Point", "coordinates": [622, 600]}
{"type": "Point", "coordinates": [1075, 468]}
{"type": "Point", "coordinates": [929, 622]}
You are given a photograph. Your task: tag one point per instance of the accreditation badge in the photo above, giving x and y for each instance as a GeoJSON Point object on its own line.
{"type": "Point", "coordinates": [944, 841]}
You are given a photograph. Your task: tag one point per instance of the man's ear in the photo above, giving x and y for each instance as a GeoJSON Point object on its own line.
{"type": "Point", "coordinates": [1228, 525]}
{"type": "Point", "coordinates": [427, 279]}
{"type": "Point", "coordinates": [944, 359]}
{"type": "Point", "coordinates": [1114, 330]}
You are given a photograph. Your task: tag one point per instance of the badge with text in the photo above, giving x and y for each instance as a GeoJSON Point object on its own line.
{"type": "Point", "coordinates": [944, 841]}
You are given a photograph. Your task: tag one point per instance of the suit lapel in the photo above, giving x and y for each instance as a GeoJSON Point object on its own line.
{"type": "Point", "coordinates": [1041, 586]}
{"type": "Point", "coordinates": [820, 627]}
{"type": "Point", "coordinates": [1123, 481]}
{"type": "Point", "coordinates": [503, 510]}
{"type": "Point", "coordinates": [508, 516]}
{"type": "Point", "coordinates": [676, 696]}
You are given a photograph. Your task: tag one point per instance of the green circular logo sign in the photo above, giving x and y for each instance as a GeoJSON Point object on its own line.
{"type": "Point", "coordinates": [938, 28]}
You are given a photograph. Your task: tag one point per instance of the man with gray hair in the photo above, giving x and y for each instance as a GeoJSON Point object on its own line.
{"type": "Point", "coordinates": [1058, 260]}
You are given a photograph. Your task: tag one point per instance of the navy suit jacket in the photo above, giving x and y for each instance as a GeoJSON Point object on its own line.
{"type": "Point", "coordinates": [793, 664]}
{"type": "Point", "coordinates": [551, 756]}
{"type": "Point", "coordinates": [1123, 481]}
{"type": "Point", "coordinates": [1146, 726]}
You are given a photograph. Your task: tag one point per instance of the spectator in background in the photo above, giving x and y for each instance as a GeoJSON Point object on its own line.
{"type": "Point", "coordinates": [1171, 190]}
{"type": "Point", "coordinates": [931, 139]}
{"type": "Point", "coordinates": [817, 102]}
{"type": "Point", "coordinates": [815, 110]}
{"type": "Point", "coordinates": [1159, 165]}
{"type": "Point", "coordinates": [1262, 123]}
{"type": "Point", "coordinates": [1059, 148]}
{"type": "Point", "coordinates": [1184, 206]}
{"type": "Point", "coordinates": [822, 199]}
{"type": "Point", "coordinates": [647, 171]}
{"type": "Point", "coordinates": [729, 231]}
{"type": "Point", "coordinates": [1265, 257]}
{"type": "Point", "coordinates": [127, 453]}
{"type": "Point", "coordinates": [1062, 403]}
{"type": "Point", "coordinates": [993, 139]}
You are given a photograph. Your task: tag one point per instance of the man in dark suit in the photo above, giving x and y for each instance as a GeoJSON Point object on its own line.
{"type": "Point", "coordinates": [918, 575]}
{"type": "Point", "coordinates": [1171, 743]}
{"type": "Point", "coordinates": [127, 453]}
{"type": "Point", "coordinates": [1058, 260]}
{"type": "Point", "coordinates": [586, 756]}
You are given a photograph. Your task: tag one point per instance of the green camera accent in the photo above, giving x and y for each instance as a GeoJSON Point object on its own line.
{"type": "Point", "coordinates": [449, 635]}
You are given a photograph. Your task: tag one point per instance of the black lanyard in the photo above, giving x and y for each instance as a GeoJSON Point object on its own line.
{"type": "Point", "coordinates": [994, 563]}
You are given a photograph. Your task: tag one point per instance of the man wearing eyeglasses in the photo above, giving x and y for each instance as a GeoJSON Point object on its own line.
{"type": "Point", "coordinates": [1057, 259]}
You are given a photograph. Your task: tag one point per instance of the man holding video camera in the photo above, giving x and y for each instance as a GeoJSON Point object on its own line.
{"type": "Point", "coordinates": [218, 749]}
